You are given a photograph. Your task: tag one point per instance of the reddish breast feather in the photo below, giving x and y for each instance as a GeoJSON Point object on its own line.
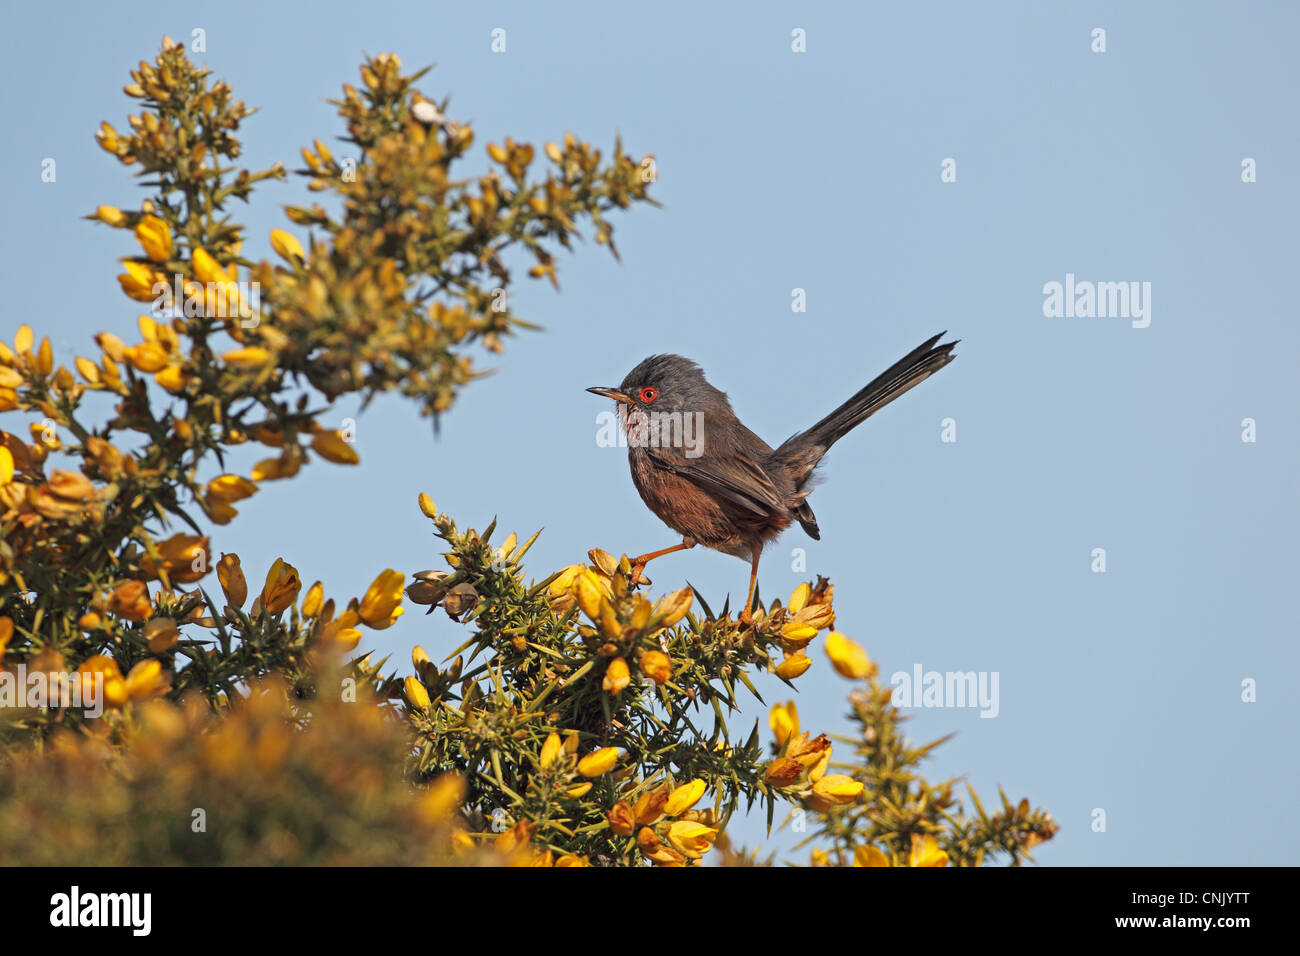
{"type": "Point", "coordinates": [693, 512]}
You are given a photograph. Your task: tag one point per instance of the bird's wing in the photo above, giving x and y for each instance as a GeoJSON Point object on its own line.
{"type": "Point", "coordinates": [735, 476]}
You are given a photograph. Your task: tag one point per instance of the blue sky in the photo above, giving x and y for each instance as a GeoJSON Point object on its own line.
{"type": "Point", "coordinates": [821, 171]}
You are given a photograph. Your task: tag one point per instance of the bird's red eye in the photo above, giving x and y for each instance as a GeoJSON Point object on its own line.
{"type": "Point", "coordinates": [649, 394]}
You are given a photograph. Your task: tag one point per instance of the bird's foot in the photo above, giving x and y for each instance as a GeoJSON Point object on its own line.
{"type": "Point", "coordinates": [745, 617]}
{"type": "Point", "coordinates": [638, 569]}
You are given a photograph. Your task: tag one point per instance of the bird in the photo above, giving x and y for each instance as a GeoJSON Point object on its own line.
{"type": "Point", "coordinates": [715, 482]}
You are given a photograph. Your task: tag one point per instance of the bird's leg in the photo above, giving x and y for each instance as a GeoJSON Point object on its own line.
{"type": "Point", "coordinates": [639, 563]}
{"type": "Point", "coordinates": [746, 616]}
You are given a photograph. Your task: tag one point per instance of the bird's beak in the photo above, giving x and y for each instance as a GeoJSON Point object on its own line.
{"type": "Point", "coordinates": [613, 393]}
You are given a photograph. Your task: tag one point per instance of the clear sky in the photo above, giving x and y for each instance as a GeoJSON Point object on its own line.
{"type": "Point", "coordinates": [1120, 691]}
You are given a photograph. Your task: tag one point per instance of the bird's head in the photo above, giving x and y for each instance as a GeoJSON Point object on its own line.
{"type": "Point", "coordinates": [664, 383]}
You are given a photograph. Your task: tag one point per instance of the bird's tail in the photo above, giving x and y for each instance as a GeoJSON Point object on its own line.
{"type": "Point", "coordinates": [909, 371]}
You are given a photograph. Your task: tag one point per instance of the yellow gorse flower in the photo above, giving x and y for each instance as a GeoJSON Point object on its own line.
{"type": "Point", "coordinates": [926, 852]}
{"type": "Point", "coordinates": [551, 749]}
{"type": "Point", "coordinates": [793, 666]}
{"type": "Point", "coordinates": [656, 665]}
{"type": "Point", "coordinates": [315, 599]}
{"type": "Point", "coordinates": [161, 634]}
{"type": "Point", "coordinates": [145, 679]}
{"type": "Point", "coordinates": [183, 557]}
{"type": "Point", "coordinates": [684, 797]}
{"type": "Point", "coordinates": [616, 676]}
{"type": "Point", "coordinates": [110, 215]}
{"type": "Point", "coordinates": [869, 856]}
{"type": "Point", "coordinates": [834, 790]}
{"type": "Point", "coordinates": [691, 839]}
{"type": "Point", "coordinates": [286, 245]}
{"type": "Point", "coordinates": [233, 584]}
{"type": "Point", "coordinates": [381, 605]}
{"type": "Point", "coordinates": [231, 488]}
{"type": "Point", "coordinates": [799, 598]}
{"type": "Point", "coordinates": [416, 695]}
{"type": "Point", "coordinates": [848, 656]}
{"type": "Point", "coordinates": [249, 357]}
{"type": "Point", "coordinates": [207, 269]}
{"type": "Point", "coordinates": [155, 236]}
{"type": "Point", "coordinates": [673, 607]}
{"type": "Point", "coordinates": [598, 762]}
{"type": "Point", "coordinates": [784, 721]}
{"type": "Point", "coordinates": [332, 446]}
{"type": "Point", "coordinates": [139, 280]}
{"type": "Point", "coordinates": [281, 588]}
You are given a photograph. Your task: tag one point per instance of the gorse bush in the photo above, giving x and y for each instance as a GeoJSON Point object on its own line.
{"type": "Point", "coordinates": [580, 722]}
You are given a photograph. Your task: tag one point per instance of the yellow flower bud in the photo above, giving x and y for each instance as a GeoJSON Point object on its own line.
{"type": "Point", "coordinates": [796, 632]}
{"type": "Point", "coordinates": [381, 605]}
{"type": "Point", "coordinates": [332, 446]}
{"type": "Point", "coordinates": [138, 281]}
{"type": "Point", "coordinates": [250, 357]}
{"type": "Point", "coordinates": [144, 679]}
{"type": "Point", "coordinates": [147, 357]}
{"type": "Point", "coordinates": [286, 245]}
{"type": "Point", "coordinates": [281, 588]}
{"type": "Point", "coordinates": [110, 215]}
{"type": "Point", "coordinates": [684, 797]}
{"type": "Point", "coordinates": [673, 607]}
{"type": "Point", "coordinates": [589, 594]}
{"type": "Point", "coordinates": [232, 580]}
{"type": "Point", "coordinates": [848, 656]}
{"type": "Point", "coordinates": [793, 666]}
{"type": "Point", "coordinates": [207, 269]}
{"type": "Point", "coordinates": [312, 603]}
{"type": "Point", "coordinates": [656, 665]}
{"type": "Point", "coordinates": [161, 634]}
{"type": "Point", "coordinates": [616, 676]}
{"type": "Point", "coordinates": [416, 695]}
{"type": "Point", "coordinates": [799, 598]}
{"type": "Point", "coordinates": [184, 558]}
{"type": "Point", "coordinates": [784, 721]}
{"type": "Point", "coordinates": [834, 790]}
{"type": "Point", "coordinates": [231, 488]}
{"type": "Point", "coordinates": [113, 347]}
{"type": "Point", "coordinates": [172, 378]}
{"type": "Point", "coordinates": [156, 237]}
{"type": "Point", "coordinates": [344, 638]}
{"type": "Point", "coordinates": [551, 749]}
{"type": "Point", "coordinates": [598, 762]}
